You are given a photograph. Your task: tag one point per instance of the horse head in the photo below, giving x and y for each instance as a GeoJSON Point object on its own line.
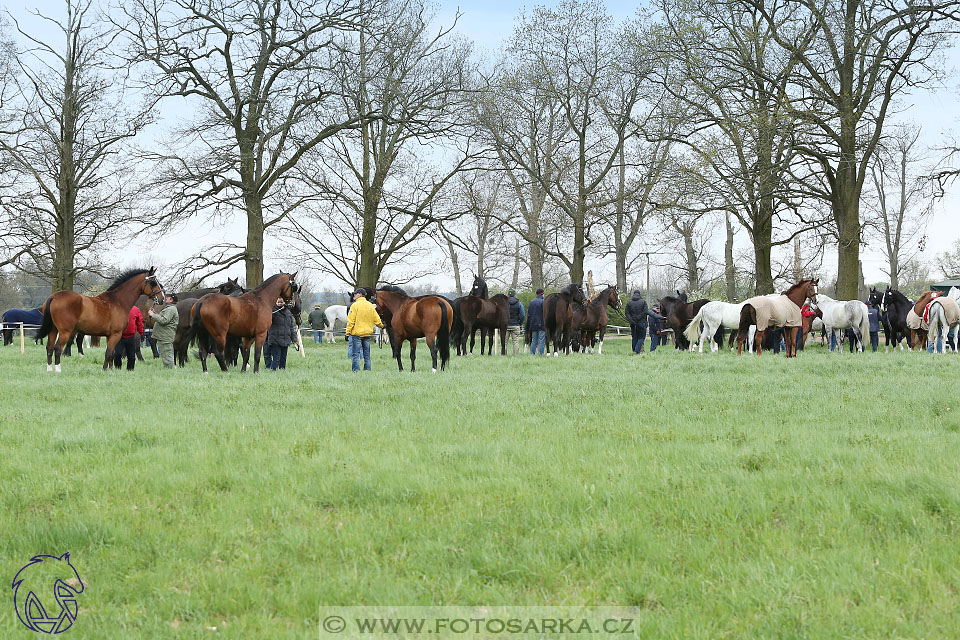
{"type": "Point", "coordinates": [289, 291]}
{"type": "Point", "coordinates": [151, 286]}
{"type": "Point", "coordinates": [479, 288]}
{"type": "Point", "coordinates": [230, 286]}
{"type": "Point", "coordinates": [614, 300]}
{"type": "Point", "coordinates": [682, 295]}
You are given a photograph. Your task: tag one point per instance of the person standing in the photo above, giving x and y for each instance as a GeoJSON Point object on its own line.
{"type": "Point", "coordinates": [535, 325]}
{"type": "Point", "coordinates": [515, 317]}
{"type": "Point", "coordinates": [873, 315]}
{"type": "Point", "coordinates": [165, 328]}
{"type": "Point", "coordinates": [638, 313]}
{"type": "Point", "coordinates": [316, 320]}
{"type": "Point", "coordinates": [282, 333]}
{"type": "Point", "coordinates": [656, 330]}
{"type": "Point", "coordinates": [129, 340]}
{"type": "Point", "coordinates": [361, 320]}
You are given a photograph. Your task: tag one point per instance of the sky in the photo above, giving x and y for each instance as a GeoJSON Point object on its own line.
{"type": "Point", "coordinates": [488, 23]}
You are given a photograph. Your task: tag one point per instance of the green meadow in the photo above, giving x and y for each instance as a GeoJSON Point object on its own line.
{"type": "Point", "coordinates": [720, 496]}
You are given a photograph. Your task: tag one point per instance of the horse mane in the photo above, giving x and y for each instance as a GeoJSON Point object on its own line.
{"type": "Point", "coordinates": [595, 296]}
{"type": "Point", "coordinates": [392, 288]}
{"type": "Point", "coordinates": [126, 275]}
{"type": "Point", "coordinates": [796, 286]}
{"type": "Point", "coordinates": [269, 280]}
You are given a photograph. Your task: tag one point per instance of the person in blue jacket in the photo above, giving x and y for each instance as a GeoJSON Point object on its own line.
{"type": "Point", "coordinates": [535, 325]}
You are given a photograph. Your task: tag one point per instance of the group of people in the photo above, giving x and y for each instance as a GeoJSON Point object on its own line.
{"type": "Point", "coordinates": [164, 329]}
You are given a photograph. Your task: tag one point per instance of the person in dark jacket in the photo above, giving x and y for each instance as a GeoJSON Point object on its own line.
{"type": "Point", "coordinates": [535, 325]}
{"type": "Point", "coordinates": [873, 315]}
{"type": "Point", "coordinates": [638, 313]}
{"type": "Point", "coordinates": [515, 317]}
{"type": "Point", "coordinates": [316, 320]}
{"type": "Point", "coordinates": [282, 333]}
{"type": "Point", "coordinates": [656, 331]}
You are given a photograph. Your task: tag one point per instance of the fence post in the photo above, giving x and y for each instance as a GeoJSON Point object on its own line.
{"type": "Point", "coordinates": [21, 339]}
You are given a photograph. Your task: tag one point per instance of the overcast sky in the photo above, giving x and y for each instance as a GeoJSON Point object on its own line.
{"type": "Point", "coordinates": [488, 23]}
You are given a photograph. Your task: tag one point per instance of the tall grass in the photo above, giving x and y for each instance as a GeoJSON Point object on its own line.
{"type": "Point", "coordinates": [723, 496]}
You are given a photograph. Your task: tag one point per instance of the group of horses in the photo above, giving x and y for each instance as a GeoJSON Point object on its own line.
{"type": "Point", "coordinates": [228, 320]}
{"type": "Point", "coordinates": [902, 319]}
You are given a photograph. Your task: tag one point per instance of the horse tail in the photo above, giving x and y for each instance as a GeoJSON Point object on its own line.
{"type": "Point", "coordinates": [46, 326]}
{"type": "Point", "coordinates": [443, 335]}
{"type": "Point", "coordinates": [864, 326]}
{"type": "Point", "coordinates": [692, 332]}
{"type": "Point", "coordinates": [197, 329]}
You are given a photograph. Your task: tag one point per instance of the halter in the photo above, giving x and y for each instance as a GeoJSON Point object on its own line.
{"type": "Point", "coordinates": [159, 296]}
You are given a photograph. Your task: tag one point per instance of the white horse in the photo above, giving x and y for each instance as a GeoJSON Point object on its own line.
{"type": "Point", "coordinates": [713, 315]}
{"type": "Point", "coordinates": [945, 313]}
{"type": "Point", "coordinates": [844, 314]}
{"type": "Point", "coordinates": [333, 313]}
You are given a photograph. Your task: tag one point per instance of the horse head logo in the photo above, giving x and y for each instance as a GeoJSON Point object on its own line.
{"type": "Point", "coordinates": [57, 582]}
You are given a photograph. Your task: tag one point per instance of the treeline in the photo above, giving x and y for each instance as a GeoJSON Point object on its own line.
{"type": "Point", "coordinates": [369, 140]}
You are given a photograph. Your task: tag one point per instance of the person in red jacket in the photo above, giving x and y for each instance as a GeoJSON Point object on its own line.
{"type": "Point", "coordinates": [129, 340]}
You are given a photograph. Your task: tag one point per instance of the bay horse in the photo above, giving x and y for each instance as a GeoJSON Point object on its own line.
{"type": "Point", "coordinates": [67, 312]}
{"type": "Point", "coordinates": [595, 318]}
{"type": "Point", "coordinates": [781, 311]}
{"type": "Point", "coordinates": [248, 316]}
{"type": "Point", "coordinates": [558, 317]}
{"type": "Point", "coordinates": [429, 317]}
{"type": "Point", "coordinates": [894, 306]}
{"type": "Point", "coordinates": [916, 325]}
{"type": "Point", "coordinates": [478, 311]}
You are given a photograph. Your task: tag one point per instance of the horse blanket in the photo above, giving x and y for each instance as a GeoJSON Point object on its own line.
{"type": "Point", "coordinates": [26, 316]}
{"type": "Point", "coordinates": [950, 309]}
{"type": "Point", "coordinates": [775, 312]}
{"type": "Point", "coordinates": [915, 322]}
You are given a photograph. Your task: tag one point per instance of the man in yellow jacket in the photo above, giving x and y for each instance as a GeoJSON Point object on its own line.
{"type": "Point", "coordinates": [360, 322]}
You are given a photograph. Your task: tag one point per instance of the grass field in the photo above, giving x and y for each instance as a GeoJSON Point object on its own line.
{"type": "Point", "coordinates": [723, 496]}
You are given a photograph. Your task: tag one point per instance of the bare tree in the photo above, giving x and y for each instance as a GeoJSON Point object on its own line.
{"type": "Point", "coordinates": [67, 122]}
{"type": "Point", "coordinates": [568, 58]}
{"type": "Point", "coordinates": [949, 261]}
{"type": "Point", "coordinates": [380, 187]}
{"type": "Point", "coordinates": [478, 232]}
{"type": "Point", "coordinates": [904, 198]}
{"type": "Point", "coordinates": [262, 79]}
{"type": "Point", "coordinates": [854, 57]}
{"type": "Point", "coordinates": [733, 81]}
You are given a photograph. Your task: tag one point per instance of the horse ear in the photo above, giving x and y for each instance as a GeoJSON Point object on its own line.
{"type": "Point", "coordinates": [293, 275]}
{"type": "Point", "coordinates": [152, 269]}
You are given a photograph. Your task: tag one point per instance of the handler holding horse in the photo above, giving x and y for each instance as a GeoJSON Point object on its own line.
{"type": "Point", "coordinates": [782, 311]}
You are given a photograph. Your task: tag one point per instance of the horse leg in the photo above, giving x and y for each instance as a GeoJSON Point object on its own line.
{"type": "Point", "coordinates": [758, 340]}
{"type": "Point", "coordinates": [503, 340]}
{"type": "Point", "coordinates": [432, 345]}
{"type": "Point", "coordinates": [112, 342]}
{"type": "Point", "coordinates": [51, 346]}
{"type": "Point", "coordinates": [258, 351]}
{"type": "Point", "coordinates": [413, 354]}
{"type": "Point", "coordinates": [603, 330]}
{"type": "Point", "coordinates": [246, 353]}
{"type": "Point", "coordinates": [219, 348]}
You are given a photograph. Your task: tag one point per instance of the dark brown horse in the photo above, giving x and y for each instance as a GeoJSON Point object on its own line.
{"type": "Point", "coordinates": [215, 317]}
{"type": "Point", "coordinates": [478, 311]}
{"type": "Point", "coordinates": [679, 313]}
{"type": "Point", "coordinates": [595, 318]}
{"type": "Point", "coordinates": [766, 311]}
{"type": "Point", "coordinates": [428, 317]}
{"type": "Point", "coordinates": [558, 312]}
{"type": "Point", "coordinates": [67, 312]}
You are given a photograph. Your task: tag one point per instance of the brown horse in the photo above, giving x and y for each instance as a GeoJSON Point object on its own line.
{"type": "Point", "coordinates": [558, 312]}
{"type": "Point", "coordinates": [107, 314]}
{"type": "Point", "coordinates": [215, 317]}
{"type": "Point", "coordinates": [679, 313]}
{"type": "Point", "coordinates": [782, 311]}
{"type": "Point", "coordinates": [477, 311]}
{"type": "Point", "coordinates": [428, 317]}
{"type": "Point", "coordinates": [595, 318]}
{"type": "Point", "coordinates": [918, 334]}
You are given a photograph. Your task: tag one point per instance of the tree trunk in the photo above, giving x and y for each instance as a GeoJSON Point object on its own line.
{"type": "Point", "coordinates": [846, 211]}
{"type": "Point", "coordinates": [516, 266]}
{"type": "Point", "coordinates": [455, 262]}
{"type": "Point", "coordinates": [762, 240]}
{"type": "Point", "coordinates": [579, 246]}
{"type": "Point", "coordinates": [253, 255]}
{"type": "Point", "coordinates": [730, 271]}
{"type": "Point", "coordinates": [693, 275]}
{"type": "Point", "coordinates": [894, 270]}
{"type": "Point", "coordinates": [65, 240]}
{"type": "Point", "coordinates": [621, 266]}
{"type": "Point", "coordinates": [797, 261]}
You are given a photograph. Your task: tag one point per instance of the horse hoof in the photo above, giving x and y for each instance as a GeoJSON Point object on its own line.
{"type": "Point", "coordinates": [49, 368]}
{"type": "Point", "coordinates": [57, 368]}
{"type": "Point", "coordinates": [434, 370]}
